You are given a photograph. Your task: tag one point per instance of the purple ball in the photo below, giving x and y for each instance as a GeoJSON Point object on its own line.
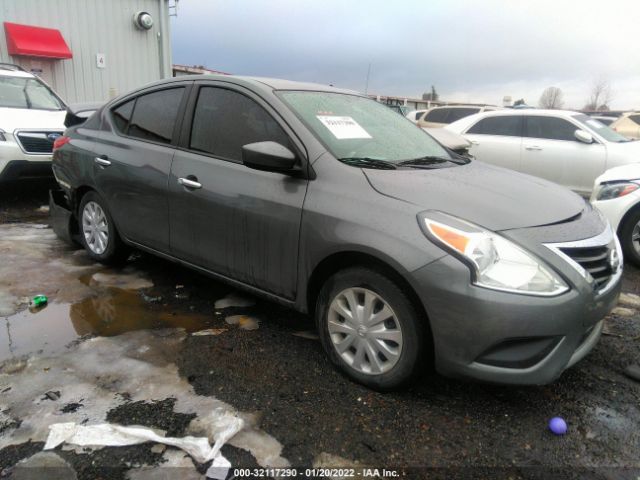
{"type": "Point", "coordinates": [558, 426]}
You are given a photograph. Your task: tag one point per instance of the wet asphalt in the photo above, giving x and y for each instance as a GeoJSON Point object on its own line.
{"type": "Point", "coordinates": [437, 428]}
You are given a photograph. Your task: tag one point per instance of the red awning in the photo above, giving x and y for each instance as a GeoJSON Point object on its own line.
{"type": "Point", "coordinates": [33, 41]}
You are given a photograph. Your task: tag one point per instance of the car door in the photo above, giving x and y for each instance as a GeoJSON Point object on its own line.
{"type": "Point", "coordinates": [551, 151]}
{"type": "Point", "coordinates": [133, 161]}
{"type": "Point", "coordinates": [497, 140]}
{"type": "Point", "coordinates": [235, 221]}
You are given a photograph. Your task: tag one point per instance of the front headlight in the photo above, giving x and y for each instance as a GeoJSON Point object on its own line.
{"type": "Point", "coordinates": [608, 191]}
{"type": "Point", "coordinates": [495, 262]}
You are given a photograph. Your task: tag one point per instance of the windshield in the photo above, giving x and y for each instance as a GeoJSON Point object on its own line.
{"type": "Point", "coordinates": [600, 128]}
{"type": "Point", "coordinates": [356, 127]}
{"type": "Point", "coordinates": [19, 92]}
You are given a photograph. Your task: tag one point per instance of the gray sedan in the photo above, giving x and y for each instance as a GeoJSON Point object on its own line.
{"type": "Point", "coordinates": [330, 203]}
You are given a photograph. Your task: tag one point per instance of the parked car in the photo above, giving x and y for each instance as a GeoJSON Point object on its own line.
{"type": "Point", "coordinates": [441, 116]}
{"type": "Point", "coordinates": [616, 193]}
{"type": "Point", "coordinates": [603, 119]}
{"type": "Point", "coordinates": [566, 147]}
{"type": "Point", "coordinates": [31, 118]}
{"type": "Point", "coordinates": [628, 124]}
{"type": "Point", "coordinates": [328, 202]}
{"type": "Point", "coordinates": [416, 115]}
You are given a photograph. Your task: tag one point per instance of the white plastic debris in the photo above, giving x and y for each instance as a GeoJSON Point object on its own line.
{"type": "Point", "coordinates": [234, 300]}
{"type": "Point", "coordinates": [110, 435]}
{"type": "Point", "coordinates": [209, 331]}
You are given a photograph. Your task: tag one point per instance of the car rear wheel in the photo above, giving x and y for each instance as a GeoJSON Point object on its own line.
{"type": "Point", "coordinates": [629, 235]}
{"type": "Point", "coordinates": [98, 232]}
{"type": "Point", "coordinates": [370, 329]}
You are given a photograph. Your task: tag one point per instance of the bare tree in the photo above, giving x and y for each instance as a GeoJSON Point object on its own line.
{"type": "Point", "coordinates": [551, 98]}
{"type": "Point", "coordinates": [600, 96]}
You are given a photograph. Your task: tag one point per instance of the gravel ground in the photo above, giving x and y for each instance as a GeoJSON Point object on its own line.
{"type": "Point", "coordinates": [439, 428]}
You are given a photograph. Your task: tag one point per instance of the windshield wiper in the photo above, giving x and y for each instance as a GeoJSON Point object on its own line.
{"type": "Point", "coordinates": [430, 160]}
{"type": "Point", "coordinates": [367, 162]}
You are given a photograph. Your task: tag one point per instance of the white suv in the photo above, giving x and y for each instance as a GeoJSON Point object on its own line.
{"type": "Point", "coordinates": [31, 118]}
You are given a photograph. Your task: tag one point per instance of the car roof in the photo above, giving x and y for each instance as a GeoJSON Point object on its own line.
{"type": "Point", "coordinates": [262, 83]}
{"type": "Point", "coordinates": [465, 122]}
{"type": "Point", "coordinates": [460, 106]}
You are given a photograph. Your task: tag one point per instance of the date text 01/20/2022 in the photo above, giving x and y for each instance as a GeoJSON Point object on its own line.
{"type": "Point", "coordinates": [316, 472]}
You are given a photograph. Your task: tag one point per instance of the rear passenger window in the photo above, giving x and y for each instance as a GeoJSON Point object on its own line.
{"type": "Point", "coordinates": [122, 115]}
{"type": "Point", "coordinates": [509, 126]}
{"type": "Point", "coordinates": [458, 113]}
{"type": "Point", "coordinates": [155, 114]}
{"type": "Point", "coordinates": [224, 121]}
{"type": "Point", "coordinates": [439, 115]}
{"type": "Point", "coordinates": [550, 128]}
{"type": "Point", "coordinates": [635, 118]}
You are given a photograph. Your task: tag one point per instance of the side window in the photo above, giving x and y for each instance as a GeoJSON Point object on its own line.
{"type": "Point", "coordinates": [438, 115]}
{"type": "Point", "coordinates": [635, 118]}
{"type": "Point", "coordinates": [154, 115]}
{"type": "Point", "coordinates": [225, 120]}
{"type": "Point", "coordinates": [458, 113]}
{"type": "Point", "coordinates": [550, 128]}
{"type": "Point", "coordinates": [122, 115]}
{"type": "Point", "coordinates": [506, 125]}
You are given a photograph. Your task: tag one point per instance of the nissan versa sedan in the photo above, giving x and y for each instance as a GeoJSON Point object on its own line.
{"type": "Point", "coordinates": [331, 203]}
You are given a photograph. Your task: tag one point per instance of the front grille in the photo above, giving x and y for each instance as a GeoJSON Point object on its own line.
{"type": "Point", "coordinates": [37, 142]}
{"type": "Point", "coordinates": [594, 260]}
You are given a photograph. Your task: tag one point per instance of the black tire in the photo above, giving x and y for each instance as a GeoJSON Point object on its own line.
{"type": "Point", "coordinates": [412, 324]}
{"type": "Point", "coordinates": [116, 252]}
{"type": "Point", "coordinates": [625, 233]}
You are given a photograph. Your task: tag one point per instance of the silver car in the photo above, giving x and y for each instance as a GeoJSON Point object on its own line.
{"type": "Point", "coordinates": [332, 204]}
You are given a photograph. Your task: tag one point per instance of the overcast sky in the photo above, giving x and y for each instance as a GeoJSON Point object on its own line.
{"type": "Point", "coordinates": [470, 50]}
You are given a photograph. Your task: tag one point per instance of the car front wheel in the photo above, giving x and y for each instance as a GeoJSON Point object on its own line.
{"type": "Point", "coordinates": [370, 329]}
{"type": "Point", "coordinates": [629, 235]}
{"type": "Point", "coordinates": [98, 232]}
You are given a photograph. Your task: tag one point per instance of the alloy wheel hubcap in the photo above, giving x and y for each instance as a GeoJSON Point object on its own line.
{"type": "Point", "coordinates": [364, 331]}
{"type": "Point", "coordinates": [95, 228]}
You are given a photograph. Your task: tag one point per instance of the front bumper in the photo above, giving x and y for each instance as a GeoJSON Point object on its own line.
{"type": "Point", "coordinates": [509, 338]}
{"type": "Point", "coordinates": [16, 164]}
{"type": "Point", "coordinates": [15, 170]}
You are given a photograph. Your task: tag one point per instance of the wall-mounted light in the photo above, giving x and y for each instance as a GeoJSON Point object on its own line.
{"type": "Point", "coordinates": [143, 20]}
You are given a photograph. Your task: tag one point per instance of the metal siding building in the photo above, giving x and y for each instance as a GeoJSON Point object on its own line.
{"type": "Point", "coordinates": [132, 56]}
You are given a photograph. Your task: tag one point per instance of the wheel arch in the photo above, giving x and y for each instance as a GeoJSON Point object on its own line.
{"type": "Point", "coordinates": [346, 259]}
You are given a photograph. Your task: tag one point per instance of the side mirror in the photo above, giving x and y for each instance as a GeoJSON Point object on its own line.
{"type": "Point", "coordinates": [268, 156]}
{"type": "Point", "coordinates": [582, 136]}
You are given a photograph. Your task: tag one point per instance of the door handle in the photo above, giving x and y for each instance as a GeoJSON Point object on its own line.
{"type": "Point", "coordinates": [532, 147]}
{"type": "Point", "coordinates": [185, 182]}
{"type": "Point", "coordinates": [102, 161]}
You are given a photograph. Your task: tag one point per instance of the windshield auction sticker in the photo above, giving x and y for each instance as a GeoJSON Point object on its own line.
{"type": "Point", "coordinates": [343, 127]}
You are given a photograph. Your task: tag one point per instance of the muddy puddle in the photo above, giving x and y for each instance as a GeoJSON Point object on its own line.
{"type": "Point", "coordinates": [113, 312]}
{"type": "Point", "coordinates": [85, 298]}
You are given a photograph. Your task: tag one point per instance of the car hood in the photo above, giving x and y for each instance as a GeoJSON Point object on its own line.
{"type": "Point", "coordinates": [493, 197]}
{"type": "Point", "coordinates": [625, 172]}
{"type": "Point", "coordinates": [628, 149]}
{"type": "Point", "coordinates": [26, 119]}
